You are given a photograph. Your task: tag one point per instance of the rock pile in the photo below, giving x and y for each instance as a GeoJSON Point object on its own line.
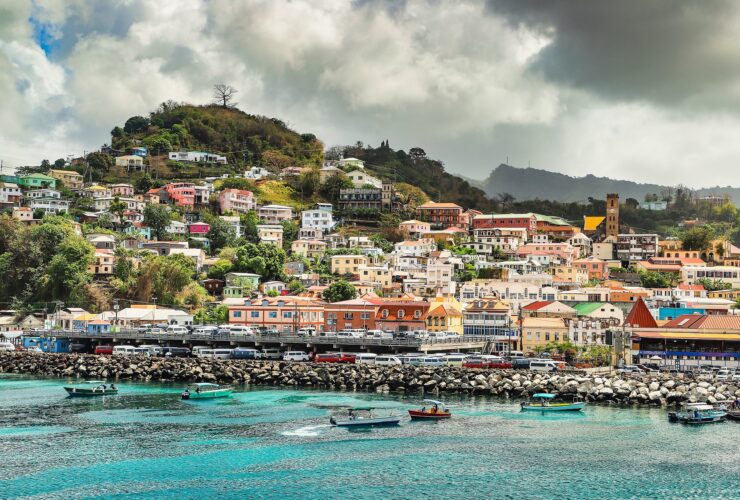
{"type": "Point", "coordinates": [658, 389]}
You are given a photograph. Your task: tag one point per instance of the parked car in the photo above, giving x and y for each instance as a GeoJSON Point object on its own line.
{"type": "Point", "coordinates": [245, 353]}
{"type": "Point", "coordinates": [520, 363]}
{"type": "Point", "coordinates": [387, 360]}
{"type": "Point", "coordinates": [329, 357]}
{"type": "Point", "coordinates": [205, 331]}
{"type": "Point", "coordinates": [736, 375]}
{"type": "Point", "coordinates": [175, 352]}
{"type": "Point", "coordinates": [271, 354]}
{"type": "Point", "coordinates": [154, 350]}
{"type": "Point", "coordinates": [724, 374]}
{"type": "Point", "coordinates": [177, 330]}
{"type": "Point", "coordinates": [365, 358]}
{"type": "Point", "coordinates": [123, 350]}
{"type": "Point", "coordinates": [295, 356]}
{"type": "Point", "coordinates": [104, 349]}
{"type": "Point", "coordinates": [628, 369]}
{"type": "Point", "coordinates": [432, 361]}
{"type": "Point", "coordinates": [543, 365]}
{"type": "Point", "coordinates": [307, 331]}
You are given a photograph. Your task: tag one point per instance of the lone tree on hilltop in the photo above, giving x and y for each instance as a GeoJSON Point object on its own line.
{"type": "Point", "coordinates": [224, 94]}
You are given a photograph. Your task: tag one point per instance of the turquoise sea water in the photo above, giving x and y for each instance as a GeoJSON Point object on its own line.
{"type": "Point", "coordinates": [268, 443]}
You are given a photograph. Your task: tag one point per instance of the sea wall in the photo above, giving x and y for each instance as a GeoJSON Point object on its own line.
{"type": "Point", "coordinates": [657, 390]}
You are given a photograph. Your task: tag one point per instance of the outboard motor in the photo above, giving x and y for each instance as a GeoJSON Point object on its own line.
{"type": "Point", "coordinates": [186, 394]}
{"type": "Point", "coordinates": [332, 420]}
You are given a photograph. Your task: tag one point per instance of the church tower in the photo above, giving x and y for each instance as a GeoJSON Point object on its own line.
{"type": "Point", "coordinates": [612, 215]}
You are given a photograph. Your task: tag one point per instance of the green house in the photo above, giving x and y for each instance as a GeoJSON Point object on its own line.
{"type": "Point", "coordinates": [249, 281]}
{"type": "Point", "coordinates": [37, 181]}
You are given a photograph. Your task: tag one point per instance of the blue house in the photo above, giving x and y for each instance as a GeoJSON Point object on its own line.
{"type": "Point", "coordinates": [98, 327]}
{"type": "Point", "coordinates": [47, 344]}
{"type": "Point", "coordinates": [665, 313]}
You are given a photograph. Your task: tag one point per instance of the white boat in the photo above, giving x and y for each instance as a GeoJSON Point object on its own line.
{"type": "Point", "coordinates": [363, 417]}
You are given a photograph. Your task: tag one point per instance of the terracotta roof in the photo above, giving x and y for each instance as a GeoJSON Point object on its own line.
{"type": "Point", "coordinates": [434, 204]}
{"type": "Point", "coordinates": [693, 288]}
{"type": "Point", "coordinates": [640, 316]}
{"type": "Point", "coordinates": [537, 305]}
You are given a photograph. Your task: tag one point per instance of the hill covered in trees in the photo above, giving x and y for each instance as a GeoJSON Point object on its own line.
{"type": "Point", "coordinates": [242, 138]}
{"type": "Point", "coordinates": [415, 168]}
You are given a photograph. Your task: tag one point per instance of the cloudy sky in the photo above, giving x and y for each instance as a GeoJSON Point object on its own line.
{"type": "Point", "coordinates": [645, 89]}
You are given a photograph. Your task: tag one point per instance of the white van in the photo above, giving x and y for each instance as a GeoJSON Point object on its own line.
{"type": "Point", "coordinates": [6, 346]}
{"type": "Point", "coordinates": [177, 330]}
{"type": "Point", "coordinates": [432, 361]}
{"type": "Point", "coordinates": [222, 353]}
{"type": "Point", "coordinates": [295, 356]}
{"type": "Point", "coordinates": [365, 358]}
{"type": "Point", "coordinates": [355, 334]}
{"type": "Point", "coordinates": [271, 354]}
{"type": "Point", "coordinates": [387, 361]}
{"type": "Point", "coordinates": [123, 350]}
{"type": "Point", "coordinates": [196, 349]}
{"type": "Point", "coordinates": [724, 374]}
{"type": "Point", "coordinates": [543, 365]}
{"type": "Point", "coordinates": [203, 353]}
{"type": "Point", "coordinates": [455, 359]}
{"type": "Point", "coordinates": [241, 330]}
{"type": "Point", "coordinates": [205, 331]}
{"type": "Point", "coordinates": [154, 350]}
{"type": "Point", "coordinates": [307, 331]}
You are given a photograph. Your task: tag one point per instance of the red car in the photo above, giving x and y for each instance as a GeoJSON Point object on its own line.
{"type": "Point", "coordinates": [334, 357]}
{"type": "Point", "coordinates": [486, 362]}
{"type": "Point", "coordinates": [104, 349]}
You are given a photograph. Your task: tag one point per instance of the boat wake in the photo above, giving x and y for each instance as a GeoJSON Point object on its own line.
{"type": "Point", "coordinates": [308, 431]}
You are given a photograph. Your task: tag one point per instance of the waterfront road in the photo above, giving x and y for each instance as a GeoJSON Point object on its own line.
{"type": "Point", "coordinates": [284, 340]}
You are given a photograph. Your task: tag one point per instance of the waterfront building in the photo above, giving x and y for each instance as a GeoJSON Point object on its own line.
{"type": "Point", "coordinates": [284, 314]}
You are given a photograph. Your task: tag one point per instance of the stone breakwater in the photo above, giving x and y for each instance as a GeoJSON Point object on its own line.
{"type": "Point", "coordinates": [657, 390]}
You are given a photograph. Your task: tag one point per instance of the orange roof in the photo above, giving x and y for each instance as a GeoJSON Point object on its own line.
{"type": "Point", "coordinates": [434, 204]}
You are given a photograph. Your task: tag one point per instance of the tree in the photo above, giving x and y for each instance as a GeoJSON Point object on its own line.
{"type": "Point", "coordinates": [310, 181]}
{"type": "Point", "coordinates": [410, 195]}
{"type": "Point", "coordinates": [505, 200]}
{"type": "Point", "coordinates": [59, 163]}
{"type": "Point", "coordinates": [220, 268]}
{"type": "Point", "coordinates": [164, 277]}
{"type": "Point", "coordinates": [382, 243]}
{"type": "Point", "coordinates": [144, 183]}
{"type": "Point", "coordinates": [236, 183]}
{"type": "Point", "coordinates": [417, 154]}
{"type": "Point", "coordinates": [334, 153]}
{"type": "Point", "coordinates": [290, 233]}
{"type": "Point", "coordinates": [221, 234]}
{"type": "Point", "coordinates": [697, 238]}
{"type": "Point", "coordinates": [213, 315]}
{"type": "Point", "coordinates": [654, 279]}
{"type": "Point", "coordinates": [333, 185]}
{"type": "Point", "coordinates": [157, 217]}
{"type": "Point", "coordinates": [136, 124]}
{"type": "Point", "coordinates": [100, 162]}
{"type": "Point", "coordinates": [224, 95]}
{"type": "Point", "coordinates": [276, 160]}
{"type": "Point", "coordinates": [338, 291]}
{"type": "Point", "coordinates": [713, 285]}
{"type": "Point", "coordinates": [267, 260]}
{"type": "Point", "coordinates": [249, 222]}
{"type": "Point", "coordinates": [118, 208]}
{"type": "Point", "coordinates": [296, 286]}
{"type": "Point", "coordinates": [68, 270]}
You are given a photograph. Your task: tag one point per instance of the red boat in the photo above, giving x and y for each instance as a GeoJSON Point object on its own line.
{"type": "Point", "coordinates": [438, 411]}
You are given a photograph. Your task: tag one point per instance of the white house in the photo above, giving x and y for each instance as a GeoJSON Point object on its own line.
{"type": "Point", "coordinates": [50, 205]}
{"type": "Point", "coordinates": [256, 173]}
{"type": "Point", "coordinates": [9, 192]}
{"type": "Point", "coordinates": [43, 193]}
{"type": "Point", "coordinates": [420, 247]}
{"type": "Point", "coordinates": [275, 214]}
{"type": "Point", "coordinates": [178, 228]}
{"type": "Point", "coordinates": [197, 157]}
{"type": "Point", "coordinates": [321, 219]}
{"type": "Point", "coordinates": [360, 179]}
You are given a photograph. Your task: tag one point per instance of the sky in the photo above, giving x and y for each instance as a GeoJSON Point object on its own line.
{"type": "Point", "coordinates": [646, 90]}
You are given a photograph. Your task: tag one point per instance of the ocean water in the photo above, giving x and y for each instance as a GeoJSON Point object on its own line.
{"type": "Point", "coordinates": [276, 443]}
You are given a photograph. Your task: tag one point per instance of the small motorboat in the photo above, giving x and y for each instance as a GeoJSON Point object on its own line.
{"type": "Point", "coordinates": [686, 408]}
{"type": "Point", "coordinates": [437, 411]}
{"type": "Point", "coordinates": [92, 388]}
{"type": "Point", "coordinates": [363, 417]}
{"type": "Point", "coordinates": [542, 402]}
{"type": "Point", "coordinates": [702, 414]}
{"type": "Point", "coordinates": [733, 414]}
{"type": "Point", "coordinates": [204, 390]}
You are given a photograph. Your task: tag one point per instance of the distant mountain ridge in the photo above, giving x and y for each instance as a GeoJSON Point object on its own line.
{"type": "Point", "coordinates": [534, 183]}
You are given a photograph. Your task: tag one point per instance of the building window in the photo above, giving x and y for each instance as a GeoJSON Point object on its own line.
{"type": "Point", "coordinates": [272, 315]}
{"type": "Point", "coordinates": [349, 316]}
{"type": "Point", "coordinates": [384, 314]}
{"type": "Point", "coordinates": [287, 315]}
{"type": "Point", "coordinates": [255, 314]}
{"type": "Point", "coordinates": [237, 314]}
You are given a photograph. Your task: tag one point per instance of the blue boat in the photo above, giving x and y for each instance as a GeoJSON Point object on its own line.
{"type": "Point", "coordinates": [542, 402]}
{"type": "Point", "coordinates": [363, 417]}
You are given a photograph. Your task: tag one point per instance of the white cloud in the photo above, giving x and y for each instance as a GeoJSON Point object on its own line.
{"type": "Point", "coordinates": [451, 77]}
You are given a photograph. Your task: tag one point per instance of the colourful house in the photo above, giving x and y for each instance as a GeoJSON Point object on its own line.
{"type": "Point", "coordinates": [199, 228]}
{"type": "Point", "coordinates": [37, 181]}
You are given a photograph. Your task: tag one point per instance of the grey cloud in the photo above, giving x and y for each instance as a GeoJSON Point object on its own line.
{"type": "Point", "coordinates": [667, 52]}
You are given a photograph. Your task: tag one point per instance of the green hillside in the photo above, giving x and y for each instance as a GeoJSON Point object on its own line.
{"type": "Point", "coordinates": [243, 138]}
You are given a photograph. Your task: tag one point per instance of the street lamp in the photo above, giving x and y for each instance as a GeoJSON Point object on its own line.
{"type": "Point", "coordinates": [115, 308]}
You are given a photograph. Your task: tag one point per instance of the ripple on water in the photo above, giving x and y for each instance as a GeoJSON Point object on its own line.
{"type": "Point", "coordinates": [275, 442]}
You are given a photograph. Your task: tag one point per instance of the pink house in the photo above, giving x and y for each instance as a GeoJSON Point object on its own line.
{"type": "Point", "coordinates": [597, 268]}
{"type": "Point", "coordinates": [199, 228]}
{"type": "Point", "coordinates": [236, 200]}
{"type": "Point", "coordinates": [564, 251]}
{"type": "Point", "coordinates": [122, 190]}
{"type": "Point", "coordinates": [182, 193]}
{"type": "Point", "coordinates": [526, 221]}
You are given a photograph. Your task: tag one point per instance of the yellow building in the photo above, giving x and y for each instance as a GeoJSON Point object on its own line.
{"type": "Point", "coordinates": [379, 275]}
{"type": "Point", "coordinates": [569, 273]}
{"type": "Point", "coordinates": [70, 178]}
{"type": "Point", "coordinates": [347, 264]}
{"type": "Point", "coordinates": [540, 331]}
{"type": "Point", "coordinates": [445, 315]}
